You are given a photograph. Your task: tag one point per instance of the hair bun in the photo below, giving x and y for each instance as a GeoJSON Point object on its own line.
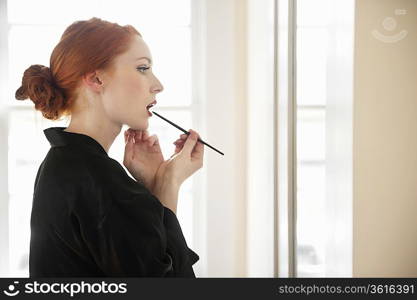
{"type": "Point", "coordinates": [38, 85]}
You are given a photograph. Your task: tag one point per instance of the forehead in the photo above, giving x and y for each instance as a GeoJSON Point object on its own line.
{"type": "Point", "coordinates": [138, 48]}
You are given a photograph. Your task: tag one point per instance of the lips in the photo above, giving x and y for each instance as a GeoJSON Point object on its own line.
{"type": "Point", "coordinates": [151, 104]}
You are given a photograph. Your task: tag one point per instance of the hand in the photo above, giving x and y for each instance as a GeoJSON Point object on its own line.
{"type": "Point", "coordinates": [142, 156]}
{"type": "Point", "coordinates": [187, 158]}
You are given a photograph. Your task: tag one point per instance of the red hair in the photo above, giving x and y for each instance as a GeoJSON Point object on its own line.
{"type": "Point", "coordinates": [84, 47]}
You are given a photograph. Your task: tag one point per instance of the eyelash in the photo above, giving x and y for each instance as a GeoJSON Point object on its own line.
{"type": "Point", "coordinates": [142, 69]}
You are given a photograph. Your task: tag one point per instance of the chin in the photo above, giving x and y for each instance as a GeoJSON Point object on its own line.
{"type": "Point", "coordinates": [140, 125]}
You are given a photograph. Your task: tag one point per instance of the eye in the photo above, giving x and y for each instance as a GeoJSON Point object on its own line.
{"type": "Point", "coordinates": [142, 69]}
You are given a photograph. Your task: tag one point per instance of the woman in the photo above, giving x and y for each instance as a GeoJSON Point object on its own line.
{"type": "Point", "coordinates": [89, 217]}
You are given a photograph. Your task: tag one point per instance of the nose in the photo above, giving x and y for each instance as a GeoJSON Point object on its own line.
{"type": "Point", "coordinates": [157, 87]}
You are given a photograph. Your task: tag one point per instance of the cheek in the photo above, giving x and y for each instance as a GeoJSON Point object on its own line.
{"type": "Point", "coordinates": [126, 96]}
{"type": "Point", "coordinates": [134, 88]}
{"type": "Point", "coordinates": [128, 89]}
{"type": "Point", "coordinates": [133, 85]}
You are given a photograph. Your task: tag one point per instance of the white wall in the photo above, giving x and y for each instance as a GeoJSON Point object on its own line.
{"type": "Point", "coordinates": [239, 101]}
{"type": "Point", "coordinates": [226, 128]}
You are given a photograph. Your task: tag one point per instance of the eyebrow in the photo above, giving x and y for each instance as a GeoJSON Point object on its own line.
{"type": "Point", "coordinates": [147, 58]}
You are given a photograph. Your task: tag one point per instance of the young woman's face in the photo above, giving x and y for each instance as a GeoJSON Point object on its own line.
{"type": "Point", "coordinates": [131, 87]}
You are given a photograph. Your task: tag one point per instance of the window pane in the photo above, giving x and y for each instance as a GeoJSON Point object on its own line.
{"type": "Point", "coordinates": [311, 229]}
{"type": "Point", "coordinates": [173, 67]}
{"type": "Point", "coordinates": [311, 232]}
{"type": "Point", "coordinates": [146, 13]}
{"type": "Point", "coordinates": [312, 12]}
{"type": "Point", "coordinates": [311, 81]}
{"type": "Point", "coordinates": [323, 53]}
{"type": "Point", "coordinates": [19, 227]}
{"type": "Point", "coordinates": [141, 12]}
{"type": "Point", "coordinates": [311, 131]}
{"type": "Point", "coordinates": [39, 11]}
{"type": "Point", "coordinates": [311, 66]}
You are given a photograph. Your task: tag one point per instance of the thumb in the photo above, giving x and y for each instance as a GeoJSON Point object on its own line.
{"type": "Point", "coordinates": [190, 142]}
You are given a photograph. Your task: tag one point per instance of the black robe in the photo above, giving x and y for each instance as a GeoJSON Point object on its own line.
{"type": "Point", "coordinates": [91, 219]}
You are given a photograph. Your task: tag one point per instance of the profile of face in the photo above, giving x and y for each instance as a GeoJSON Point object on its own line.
{"type": "Point", "coordinates": [130, 87]}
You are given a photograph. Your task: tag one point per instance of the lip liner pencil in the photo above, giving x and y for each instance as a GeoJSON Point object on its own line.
{"type": "Point", "coordinates": [186, 132]}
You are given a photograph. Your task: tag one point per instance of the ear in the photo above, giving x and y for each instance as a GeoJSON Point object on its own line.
{"type": "Point", "coordinates": [93, 80]}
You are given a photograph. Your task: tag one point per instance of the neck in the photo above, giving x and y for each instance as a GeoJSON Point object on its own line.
{"type": "Point", "coordinates": [95, 125]}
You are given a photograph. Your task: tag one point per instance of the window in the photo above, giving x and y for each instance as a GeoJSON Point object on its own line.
{"type": "Point", "coordinates": [32, 33]}
{"type": "Point", "coordinates": [311, 58]}
{"type": "Point", "coordinates": [324, 68]}
{"type": "Point", "coordinates": [315, 99]}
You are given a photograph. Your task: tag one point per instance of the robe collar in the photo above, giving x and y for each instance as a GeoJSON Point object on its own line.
{"type": "Point", "coordinates": [57, 137]}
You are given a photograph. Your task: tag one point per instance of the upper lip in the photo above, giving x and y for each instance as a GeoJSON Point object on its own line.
{"type": "Point", "coordinates": [152, 103]}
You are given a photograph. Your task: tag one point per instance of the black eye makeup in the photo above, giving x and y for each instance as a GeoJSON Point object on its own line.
{"type": "Point", "coordinates": [142, 69]}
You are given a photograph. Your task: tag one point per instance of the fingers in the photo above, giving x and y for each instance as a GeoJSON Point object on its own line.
{"type": "Point", "coordinates": [198, 150]}
{"type": "Point", "coordinates": [190, 142]}
{"type": "Point", "coordinates": [153, 140]}
{"type": "Point", "coordinates": [145, 135]}
{"type": "Point", "coordinates": [136, 136]}
{"type": "Point", "coordinates": [179, 144]}
{"type": "Point", "coordinates": [181, 140]}
{"type": "Point", "coordinates": [187, 141]}
{"type": "Point", "coordinates": [129, 137]}
{"type": "Point", "coordinates": [140, 135]}
{"type": "Point", "coordinates": [178, 149]}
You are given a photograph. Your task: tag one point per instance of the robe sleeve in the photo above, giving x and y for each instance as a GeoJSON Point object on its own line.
{"type": "Point", "coordinates": [142, 238]}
